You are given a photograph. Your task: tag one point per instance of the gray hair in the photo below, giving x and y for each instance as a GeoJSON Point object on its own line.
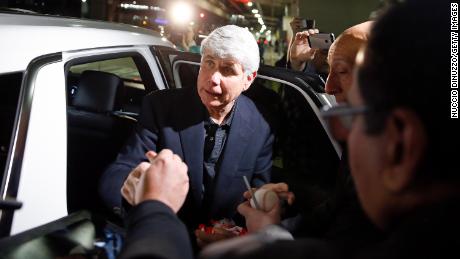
{"type": "Point", "coordinates": [233, 42]}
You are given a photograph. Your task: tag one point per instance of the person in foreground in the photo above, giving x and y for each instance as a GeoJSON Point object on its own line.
{"type": "Point", "coordinates": [406, 184]}
{"type": "Point", "coordinates": [218, 132]}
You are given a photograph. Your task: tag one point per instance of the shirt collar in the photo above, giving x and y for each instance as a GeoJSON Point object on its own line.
{"type": "Point", "coordinates": [227, 121]}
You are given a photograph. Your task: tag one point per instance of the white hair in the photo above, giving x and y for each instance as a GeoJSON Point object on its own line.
{"type": "Point", "coordinates": [231, 41]}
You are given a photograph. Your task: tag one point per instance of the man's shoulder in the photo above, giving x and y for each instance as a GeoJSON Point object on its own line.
{"type": "Point", "coordinates": [170, 93]}
{"type": "Point", "coordinates": [247, 103]}
{"type": "Point", "coordinates": [171, 97]}
{"type": "Point", "coordinates": [248, 107]}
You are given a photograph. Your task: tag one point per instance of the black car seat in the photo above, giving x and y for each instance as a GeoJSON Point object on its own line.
{"type": "Point", "coordinates": [97, 129]}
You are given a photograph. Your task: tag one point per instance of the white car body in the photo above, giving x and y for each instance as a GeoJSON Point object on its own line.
{"type": "Point", "coordinates": [25, 40]}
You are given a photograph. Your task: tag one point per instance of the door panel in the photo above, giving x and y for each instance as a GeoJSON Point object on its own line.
{"type": "Point", "coordinates": [43, 174]}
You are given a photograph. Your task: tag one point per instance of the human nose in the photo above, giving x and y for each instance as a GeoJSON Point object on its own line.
{"type": "Point", "coordinates": [332, 86]}
{"type": "Point", "coordinates": [215, 78]}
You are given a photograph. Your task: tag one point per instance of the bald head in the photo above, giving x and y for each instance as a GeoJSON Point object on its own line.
{"type": "Point", "coordinates": [350, 41]}
{"type": "Point", "coordinates": [341, 59]}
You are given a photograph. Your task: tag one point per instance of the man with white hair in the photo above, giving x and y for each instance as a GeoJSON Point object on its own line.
{"type": "Point", "coordinates": [215, 130]}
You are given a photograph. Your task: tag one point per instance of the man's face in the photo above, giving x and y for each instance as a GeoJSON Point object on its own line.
{"type": "Point", "coordinates": [220, 82]}
{"type": "Point", "coordinates": [367, 160]}
{"type": "Point", "coordinates": [340, 76]}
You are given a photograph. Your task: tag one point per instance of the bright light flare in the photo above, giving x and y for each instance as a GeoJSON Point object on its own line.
{"type": "Point", "coordinates": [181, 12]}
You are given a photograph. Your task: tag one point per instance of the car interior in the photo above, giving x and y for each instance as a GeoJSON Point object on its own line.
{"type": "Point", "coordinates": [96, 131]}
{"type": "Point", "coordinates": [102, 110]}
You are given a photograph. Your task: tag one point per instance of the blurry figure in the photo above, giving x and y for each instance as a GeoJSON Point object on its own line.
{"type": "Point", "coordinates": [188, 41]}
{"type": "Point", "coordinates": [185, 41]}
{"type": "Point", "coordinates": [303, 58]}
{"type": "Point", "coordinates": [260, 44]}
{"type": "Point", "coordinates": [277, 46]}
{"type": "Point", "coordinates": [282, 62]}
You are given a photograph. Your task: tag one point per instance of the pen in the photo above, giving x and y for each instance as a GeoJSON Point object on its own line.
{"type": "Point", "coordinates": [250, 191]}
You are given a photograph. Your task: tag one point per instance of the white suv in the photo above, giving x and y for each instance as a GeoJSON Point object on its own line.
{"type": "Point", "coordinates": [41, 55]}
{"type": "Point", "coordinates": [70, 93]}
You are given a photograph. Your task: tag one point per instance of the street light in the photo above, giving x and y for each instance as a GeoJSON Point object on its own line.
{"type": "Point", "coordinates": [181, 12]}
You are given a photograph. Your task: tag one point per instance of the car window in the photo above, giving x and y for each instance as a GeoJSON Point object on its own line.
{"type": "Point", "coordinates": [122, 67]}
{"type": "Point", "coordinates": [188, 74]}
{"type": "Point", "coordinates": [133, 70]}
{"type": "Point", "coordinates": [10, 85]}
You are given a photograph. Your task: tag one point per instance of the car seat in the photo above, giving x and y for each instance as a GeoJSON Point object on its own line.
{"type": "Point", "coordinates": [97, 129]}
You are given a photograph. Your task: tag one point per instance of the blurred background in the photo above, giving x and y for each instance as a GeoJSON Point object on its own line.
{"type": "Point", "coordinates": [187, 22]}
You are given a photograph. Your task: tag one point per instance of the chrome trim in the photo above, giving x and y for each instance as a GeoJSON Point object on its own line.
{"type": "Point", "coordinates": [176, 73]}
{"type": "Point", "coordinates": [153, 50]}
{"type": "Point", "coordinates": [21, 124]}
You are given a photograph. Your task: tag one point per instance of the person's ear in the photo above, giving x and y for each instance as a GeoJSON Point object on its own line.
{"type": "Point", "coordinates": [405, 146]}
{"type": "Point", "coordinates": [249, 79]}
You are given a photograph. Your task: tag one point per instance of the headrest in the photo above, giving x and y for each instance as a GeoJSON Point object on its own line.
{"type": "Point", "coordinates": [98, 91]}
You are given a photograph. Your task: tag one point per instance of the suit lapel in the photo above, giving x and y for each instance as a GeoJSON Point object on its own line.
{"type": "Point", "coordinates": [238, 139]}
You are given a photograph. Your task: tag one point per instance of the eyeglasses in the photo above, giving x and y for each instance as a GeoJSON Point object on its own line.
{"type": "Point", "coordinates": [340, 118]}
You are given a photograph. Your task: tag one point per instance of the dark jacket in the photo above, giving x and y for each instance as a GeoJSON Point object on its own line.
{"type": "Point", "coordinates": [174, 119]}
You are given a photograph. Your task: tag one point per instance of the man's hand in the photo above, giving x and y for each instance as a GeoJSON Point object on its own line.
{"type": "Point", "coordinates": [129, 186]}
{"type": "Point", "coordinates": [300, 52]}
{"type": "Point", "coordinates": [281, 189]}
{"type": "Point", "coordinates": [257, 219]}
{"type": "Point", "coordinates": [166, 180]}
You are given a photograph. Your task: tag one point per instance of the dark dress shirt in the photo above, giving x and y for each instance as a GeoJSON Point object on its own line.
{"type": "Point", "coordinates": [214, 143]}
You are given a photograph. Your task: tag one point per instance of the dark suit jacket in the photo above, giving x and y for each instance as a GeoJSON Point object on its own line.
{"type": "Point", "coordinates": [174, 119]}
